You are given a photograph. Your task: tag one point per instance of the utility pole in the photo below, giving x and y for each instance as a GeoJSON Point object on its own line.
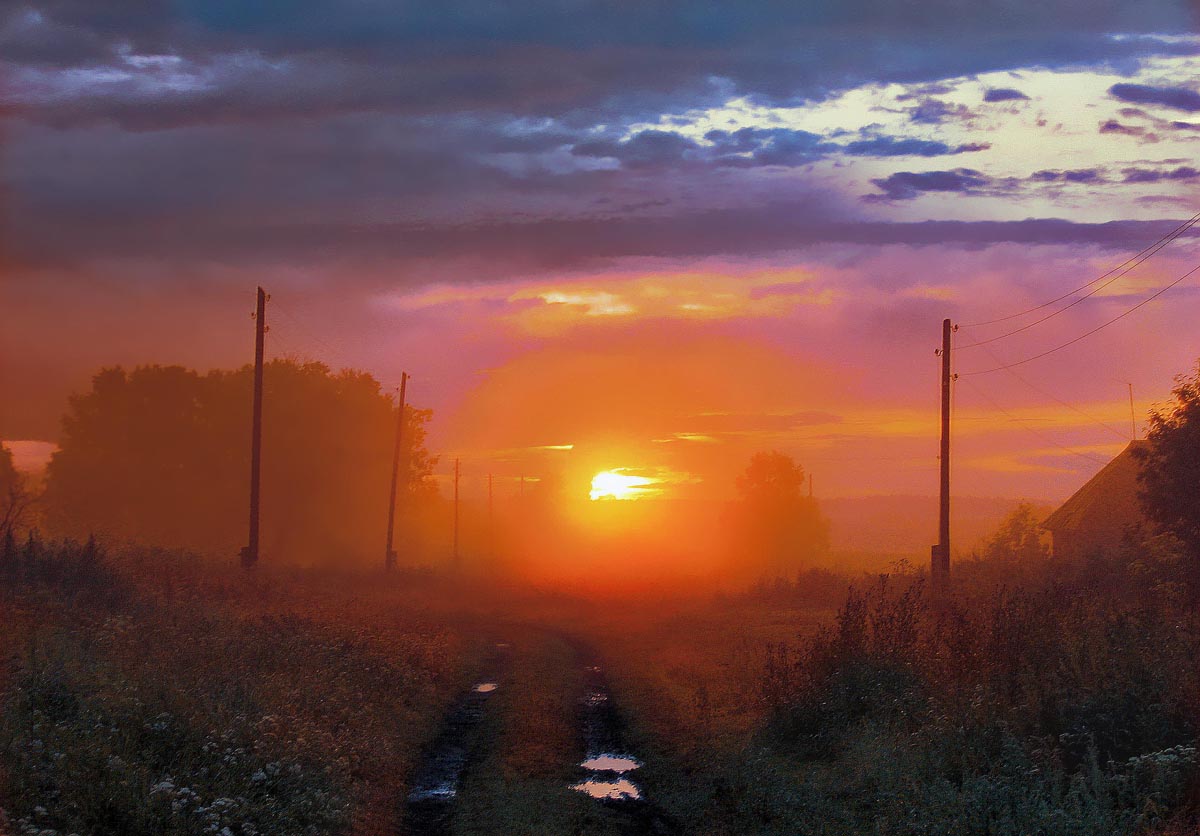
{"type": "Point", "coordinates": [456, 475]}
{"type": "Point", "coordinates": [491, 522]}
{"type": "Point", "coordinates": [389, 560]}
{"type": "Point", "coordinates": [940, 563]}
{"type": "Point", "coordinates": [250, 552]}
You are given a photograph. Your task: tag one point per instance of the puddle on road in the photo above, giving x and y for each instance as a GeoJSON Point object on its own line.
{"type": "Point", "coordinates": [438, 792]}
{"type": "Point", "coordinates": [435, 786]}
{"type": "Point", "coordinates": [607, 762]}
{"type": "Point", "coordinates": [607, 765]}
{"type": "Point", "coordinates": [619, 789]}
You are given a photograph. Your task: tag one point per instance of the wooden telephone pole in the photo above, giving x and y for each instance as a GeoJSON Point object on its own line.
{"type": "Point", "coordinates": [389, 560]}
{"type": "Point", "coordinates": [456, 476]}
{"type": "Point", "coordinates": [250, 552]}
{"type": "Point", "coordinates": [940, 563]}
{"type": "Point", "coordinates": [491, 521]}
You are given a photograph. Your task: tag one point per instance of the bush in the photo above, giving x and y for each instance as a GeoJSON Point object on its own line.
{"type": "Point", "coordinates": [1053, 709]}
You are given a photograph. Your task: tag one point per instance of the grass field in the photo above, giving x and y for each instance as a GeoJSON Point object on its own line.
{"type": "Point", "coordinates": [147, 692]}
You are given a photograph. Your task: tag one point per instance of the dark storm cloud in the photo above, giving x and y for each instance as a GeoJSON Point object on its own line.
{"type": "Point", "coordinates": [1178, 98]}
{"type": "Point", "coordinates": [1004, 94]}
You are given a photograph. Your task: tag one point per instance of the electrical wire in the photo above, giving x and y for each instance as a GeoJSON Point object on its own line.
{"type": "Point", "coordinates": [1142, 260]}
{"type": "Point", "coordinates": [1045, 438]}
{"type": "Point", "coordinates": [1086, 334]}
{"type": "Point", "coordinates": [1057, 399]}
{"type": "Point", "coordinates": [1170, 236]}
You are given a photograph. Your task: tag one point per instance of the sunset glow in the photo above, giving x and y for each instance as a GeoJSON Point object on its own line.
{"type": "Point", "coordinates": [616, 484]}
{"type": "Point", "coordinates": [679, 257]}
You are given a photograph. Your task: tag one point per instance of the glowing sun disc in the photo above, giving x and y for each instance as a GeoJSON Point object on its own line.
{"type": "Point", "coordinates": [613, 484]}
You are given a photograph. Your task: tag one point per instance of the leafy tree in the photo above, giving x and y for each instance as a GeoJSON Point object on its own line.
{"type": "Point", "coordinates": [8, 470]}
{"type": "Point", "coordinates": [162, 455]}
{"type": "Point", "coordinates": [16, 500]}
{"type": "Point", "coordinates": [1019, 539]}
{"type": "Point", "coordinates": [778, 529]}
{"type": "Point", "coordinates": [1170, 469]}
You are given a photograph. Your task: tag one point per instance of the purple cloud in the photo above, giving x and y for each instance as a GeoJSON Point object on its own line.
{"type": "Point", "coordinates": [646, 149]}
{"type": "Point", "coordinates": [1179, 98]}
{"type": "Point", "coordinates": [1073, 175]}
{"type": "Point", "coordinates": [1149, 175]}
{"type": "Point", "coordinates": [890, 146]}
{"type": "Point", "coordinates": [1004, 94]}
{"type": "Point", "coordinates": [906, 185]}
{"type": "Point", "coordinates": [931, 111]}
{"type": "Point", "coordinates": [1112, 126]}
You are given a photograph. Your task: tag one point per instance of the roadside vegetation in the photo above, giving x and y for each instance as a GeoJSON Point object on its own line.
{"type": "Point", "coordinates": [145, 694]}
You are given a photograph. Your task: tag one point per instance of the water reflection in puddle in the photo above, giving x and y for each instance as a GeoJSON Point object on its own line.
{"type": "Point", "coordinates": [444, 791]}
{"type": "Point", "coordinates": [619, 789]}
{"type": "Point", "coordinates": [485, 687]}
{"type": "Point", "coordinates": [611, 763]}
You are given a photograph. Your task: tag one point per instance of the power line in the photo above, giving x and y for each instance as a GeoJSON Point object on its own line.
{"type": "Point", "coordinates": [1170, 236]}
{"type": "Point", "coordinates": [1142, 259]}
{"type": "Point", "coordinates": [1057, 399]}
{"type": "Point", "coordinates": [1046, 439]}
{"type": "Point", "coordinates": [1086, 334]}
{"type": "Point", "coordinates": [332, 354]}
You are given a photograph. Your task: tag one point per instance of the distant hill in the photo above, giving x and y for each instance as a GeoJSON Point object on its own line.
{"type": "Point", "coordinates": [872, 531]}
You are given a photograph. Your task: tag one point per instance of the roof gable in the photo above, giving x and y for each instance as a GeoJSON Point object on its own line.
{"type": "Point", "coordinates": [1113, 490]}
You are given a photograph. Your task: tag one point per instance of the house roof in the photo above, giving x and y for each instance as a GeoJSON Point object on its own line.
{"type": "Point", "coordinates": [1113, 490]}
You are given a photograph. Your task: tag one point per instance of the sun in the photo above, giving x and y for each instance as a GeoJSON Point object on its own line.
{"type": "Point", "coordinates": [615, 484]}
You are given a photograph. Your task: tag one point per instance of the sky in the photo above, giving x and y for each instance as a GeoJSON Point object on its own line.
{"type": "Point", "coordinates": [645, 237]}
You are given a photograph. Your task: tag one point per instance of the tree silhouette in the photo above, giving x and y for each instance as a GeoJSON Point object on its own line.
{"type": "Point", "coordinates": [161, 455]}
{"type": "Point", "coordinates": [1019, 539]}
{"type": "Point", "coordinates": [777, 529]}
{"type": "Point", "coordinates": [1170, 469]}
{"type": "Point", "coordinates": [16, 500]}
{"type": "Point", "coordinates": [8, 470]}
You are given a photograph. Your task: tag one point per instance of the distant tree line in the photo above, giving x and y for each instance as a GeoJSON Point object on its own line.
{"type": "Point", "coordinates": [161, 454]}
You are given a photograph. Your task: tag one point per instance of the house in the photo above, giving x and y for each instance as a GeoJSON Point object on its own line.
{"type": "Point", "coordinates": [1097, 516]}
